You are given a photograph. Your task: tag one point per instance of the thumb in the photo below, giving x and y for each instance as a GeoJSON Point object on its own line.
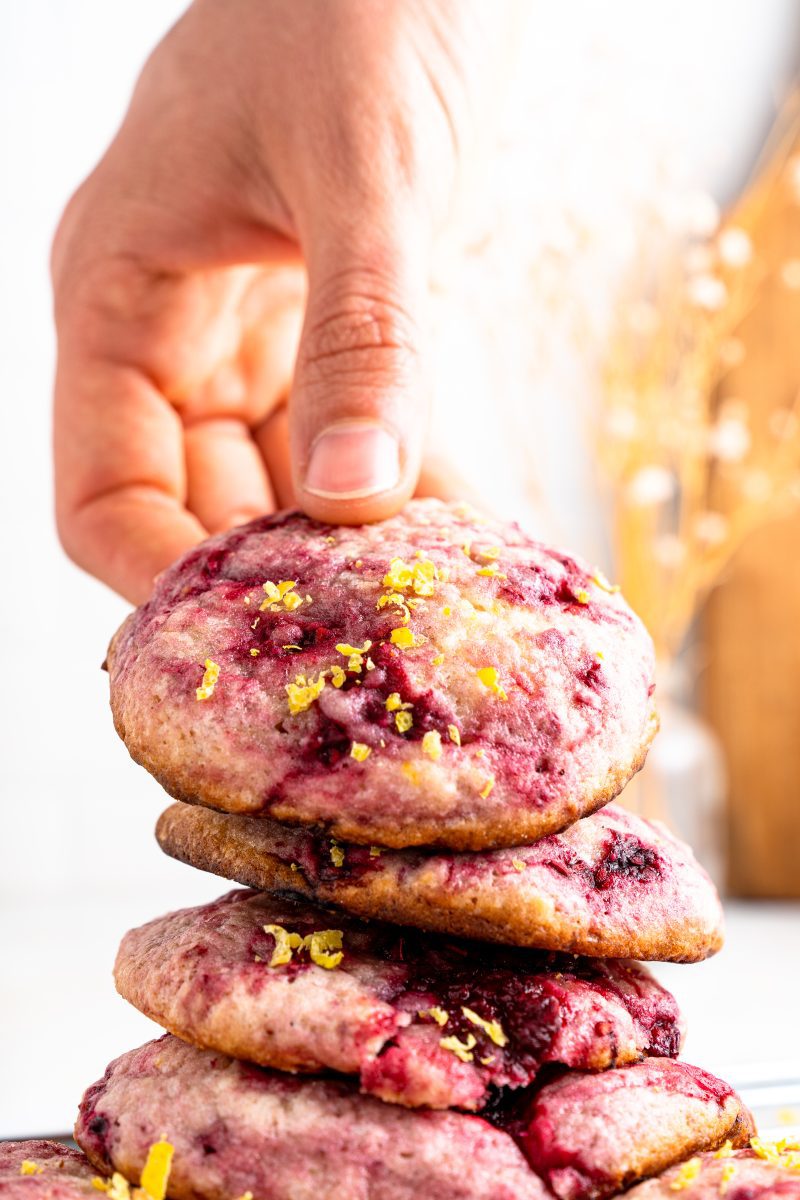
{"type": "Point", "coordinates": [359, 404]}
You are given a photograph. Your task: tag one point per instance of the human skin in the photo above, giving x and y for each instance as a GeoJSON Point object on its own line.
{"type": "Point", "coordinates": [241, 284]}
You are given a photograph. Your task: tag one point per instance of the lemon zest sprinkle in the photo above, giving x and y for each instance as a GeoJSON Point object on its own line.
{"type": "Point", "coordinates": [454, 734]}
{"type": "Point", "coordinates": [254, 652]}
{"type": "Point", "coordinates": [403, 638]}
{"type": "Point", "coordinates": [29, 1167]}
{"type": "Point", "coordinates": [440, 1015]}
{"type": "Point", "coordinates": [303, 692]}
{"type": "Point", "coordinates": [687, 1175]}
{"type": "Point", "coordinates": [492, 1029]}
{"type": "Point", "coordinates": [285, 943]}
{"type": "Point", "coordinates": [375, 851]}
{"type": "Point", "coordinates": [462, 1050]}
{"type": "Point", "coordinates": [518, 864]}
{"type": "Point", "coordinates": [487, 787]}
{"type": "Point", "coordinates": [725, 1150]}
{"type": "Point", "coordinates": [419, 577]}
{"type": "Point", "coordinates": [337, 854]}
{"type": "Point", "coordinates": [582, 596]}
{"type": "Point", "coordinates": [490, 679]}
{"type": "Point", "coordinates": [209, 681]}
{"type": "Point", "coordinates": [599, 578]}
{"type": "Point", "coordinates": [403, 721]}
{"type": "Point", "coordinates": [432, 744]}
{"type": "Point", "coordinates": [325, 948]}
{"type": "Point", "coordinates": [155, 1172]}
{"type": "Point", "coordinates": [438, 660]}
{"type": "Point", "coordinates": [493, 572]}
{"type": "Point", "coordinates": [360, 751]}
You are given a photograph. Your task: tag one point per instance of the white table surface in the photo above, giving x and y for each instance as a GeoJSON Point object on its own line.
{"type": "Point", "coordinates": [61, 1020]}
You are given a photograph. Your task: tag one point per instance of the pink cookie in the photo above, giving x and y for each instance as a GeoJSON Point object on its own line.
{"type": "Point", "coordinates": [590, 1136]}
{"type": "Point", "coordinates": [422, 1021]}
{"type": "Point", "coordinates": [734, 1175]}
{"type": "Point", "coordinates": [43, 1170]}
{"type": "Point", "coordinates": [238, 1129]}
{"type": "Point", "coordinates": [435, 679]}
{"type": "Point", "coordinates": [612, 885]}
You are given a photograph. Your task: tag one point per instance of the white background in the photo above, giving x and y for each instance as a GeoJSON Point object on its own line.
{"type": "Point", "coordinates": [606, 89]}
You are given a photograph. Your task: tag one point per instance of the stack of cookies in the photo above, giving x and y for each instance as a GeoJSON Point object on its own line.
{"type": "Point", "coordinates": [404, 740]}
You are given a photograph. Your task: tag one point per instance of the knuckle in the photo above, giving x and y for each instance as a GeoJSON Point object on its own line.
{"type": "Point", "coordinates": [358, 331]}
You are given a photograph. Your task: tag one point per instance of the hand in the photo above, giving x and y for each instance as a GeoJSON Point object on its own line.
{"type": "Point", "coordinates": [273, 195]}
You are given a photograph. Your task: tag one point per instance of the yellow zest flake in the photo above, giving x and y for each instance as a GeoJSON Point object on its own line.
{"type": "Point", "coordinates": [118, 1187]}
{"type": "Point", "coordinates": [432, 744]}
{"type": "Point", "coordinates": [582, 596]}
{"type": "Point", "coordinates": [394, 702]}
{"type": "Point", "coordinates": [419, 577]}
{"type": "Point", "coordinates": [783, 1153]}
{"type": "Point", "coordinates": [492, 1029]}
{"type": "Point", "coordinates": [354, 654]}
{"type": "Point", "coordinates": [485, 1062]}
{"type": "Point", "coordinates": [487, 787]}
{"type": "Point", "coordinates": [254, 624]}
{"type": "Point", "coordinates": [601, 581]}
{"type": "Point", "coordinates": [375, 851]}
{"type": "Point", "coordinates": [28, 1167]}
{"type": "Point", "coordinates": [462, 1050]}
{"type": "Point", "coordinates": [292, 601]}
{"type": "Point", "coordinates": [99, 1183]}
{"type": "Point", "coordinates": [246, 1196]}
{"type": "Point", "coordinates": [725, 1150]}
{"type": "Point", "coordinates": [291, 646]}
{"type": "Point", "coordinates": [359, 751]}
{"type": "Point", "coordinates": [254, 653]}
{"type": "Point", "coordinates": [280, 592]}
{"type": "Point", "coordinates": [687, 1175]}
{"type": "Point", "coordinates": [155, 1172]}
{"type": "Point", "coordinates": [490, 679]}
{"type": "Point", "coordinates": [518, 864]}
{"type": "Point", "coordinates": [403, 638]}
{"type": "Point", "coordinates": [303, 692]}
{"type": "Point", "coordinates": [491, 552]}
{"type": "Point", "coordinates": [247, 599]}
{"type": "Point", "coordinates": [599, 655]}
{"type": "Point", "coordinates": [330, 541]}
{"type": "Point", "coordinates": [438, 660]}
{"type": "Point", "coordinates": [493, 572]}
{"type": "Point", "coordinates": [454, 734]}
{"type": "Point", "coordinates": [209, 681]}
{"type": "Point", "coordinates": [338, 676]}
{"type": "Point", "coordinates": [403, 721]}
{"type": "Point", "coordinates": [285, 943]}
{"type": "Point", "coordinates": [447, 611]}
{"type": "Point", "coordinates": [293, 867]}
{"type": "Point", "coordinates": [337, 854]}
{"type": "Point", "coordinates": [400, 601]}
{"type": "Point", "coordinates": [439, 1015]}
{"type": "Point", "coordinates": [325, 948]}
{"type": "Point", "coordinates": [467, 549]}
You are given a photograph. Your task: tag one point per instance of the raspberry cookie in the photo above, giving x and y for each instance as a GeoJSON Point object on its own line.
{"type": "Point", "coordinates": [612, 885]}
{"type": "Point", "coordinates": [239, 1129]}
{"type": "Point", "coordinates": [422, 1021]}
{"type": "Point", "coordinates": [44, 1170]}
{"type": "Point", "coordinates": [435, 679]}
{"type": "Point", "coordinates": [768, 1172]}
{"type": "Point", "coordinates": [589, 1136]}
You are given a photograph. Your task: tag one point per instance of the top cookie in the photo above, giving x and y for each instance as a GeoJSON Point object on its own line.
{"type": "Point", "coordinates": [436, 679]}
